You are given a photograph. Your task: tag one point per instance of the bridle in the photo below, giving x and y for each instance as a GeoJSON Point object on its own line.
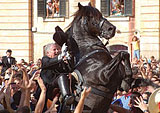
{"type": "Point", "coordinates": [101, 23]}
{"type": "Point", "coordinates": [100, 27]}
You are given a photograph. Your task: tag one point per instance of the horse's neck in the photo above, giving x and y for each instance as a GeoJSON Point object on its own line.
{"type": "Point", "coordinates": [86, 43]}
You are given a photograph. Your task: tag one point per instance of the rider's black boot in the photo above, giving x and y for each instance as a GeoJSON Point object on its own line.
{"type": "Point", "coordinates": [63, 84]}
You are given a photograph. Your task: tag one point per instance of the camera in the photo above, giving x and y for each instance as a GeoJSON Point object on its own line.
{"type": "Point", "coordinates": [13, 67]}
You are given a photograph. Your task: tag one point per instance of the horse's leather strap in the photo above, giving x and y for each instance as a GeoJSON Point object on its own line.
{"type": "Point", "coordinates": [94, 90]}
{"type": "Point", "coordinates": [101, 93]}
{"type": "Point", "coordinates": [89, 54]}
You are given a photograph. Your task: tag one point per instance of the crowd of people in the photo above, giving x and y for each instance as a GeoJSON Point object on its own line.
{"type": "Point", "coordinates": [146, 74]}
{"type": "Point", "coordinates": [25, 86]}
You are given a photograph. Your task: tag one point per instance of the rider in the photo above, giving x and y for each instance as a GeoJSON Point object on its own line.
{"type": "Point", "coordinates": [54, 70]}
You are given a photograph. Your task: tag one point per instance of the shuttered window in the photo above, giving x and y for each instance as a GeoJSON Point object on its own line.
{"type": "Point", "coordinates": [41, 8]}
{"type": "Point", "coordinates": [116, 7]}
{"type": "Point", "coordinates": [58, 9]}
{"type": "Point", "coordinates": [128, 7]}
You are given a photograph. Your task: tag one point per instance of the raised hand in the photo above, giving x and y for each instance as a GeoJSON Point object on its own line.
{"type": "Point", "coordinates": [64, 50]}
{"type": "Point", "coordinates": [85, 92]}
{"type": "Point", "coordinates": [140, 103]}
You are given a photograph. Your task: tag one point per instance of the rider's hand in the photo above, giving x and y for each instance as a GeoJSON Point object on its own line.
{"type": "Point", "coordinates": [68, 56]}
{"type": "Point", "coordinates": [64, 50]}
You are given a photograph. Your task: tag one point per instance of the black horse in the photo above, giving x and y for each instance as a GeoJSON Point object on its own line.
{"type": "Point", "coordinates": [94, 65]}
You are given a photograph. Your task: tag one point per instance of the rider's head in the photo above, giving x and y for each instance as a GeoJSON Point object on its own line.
{"type": "Point", "coordinates": [52, 50]}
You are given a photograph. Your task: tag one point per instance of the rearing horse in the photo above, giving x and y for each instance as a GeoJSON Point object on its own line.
{"type": "Point", "coordinates": [94, 65]}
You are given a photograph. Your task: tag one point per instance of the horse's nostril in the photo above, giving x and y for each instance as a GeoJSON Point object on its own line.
{"type": "Point", "coordinates": [110, 28]}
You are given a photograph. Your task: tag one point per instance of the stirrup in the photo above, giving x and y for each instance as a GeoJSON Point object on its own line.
{"type": "Point", "coordinates": [68, 100]}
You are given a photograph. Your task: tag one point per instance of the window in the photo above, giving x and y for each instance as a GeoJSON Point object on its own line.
{"type": "Point", "coordinates": [116, 7]}
{"type": "Point", "coordinates": [52, 8]}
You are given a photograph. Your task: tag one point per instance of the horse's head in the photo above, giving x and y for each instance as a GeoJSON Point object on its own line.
{"type": "Point", "coordinates": [93, 22]}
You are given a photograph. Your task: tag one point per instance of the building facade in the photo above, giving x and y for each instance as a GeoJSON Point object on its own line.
{"type": "Point", "coordinates": [26, 29]}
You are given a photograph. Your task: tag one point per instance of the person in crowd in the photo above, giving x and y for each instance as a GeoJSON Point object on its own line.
{"type": "Point", "coordinates": [136, 47]}
{"type": "Point", "coordinates": [54, 71]}
{"type": "Point", "coordinates": [23, 62]}
{"type": "Point", "coordinates": [50, 9]}
{"type": "Point", "coordinates": [135, 103]}
{"type": "Point", "coordinates": [56, 6]}
{"type": "Point", "coordinates": [79, 107]}
{"type": "Point", "coordinates": [115, 6]}
{"type": "Point", "coordinates": [7, 61]}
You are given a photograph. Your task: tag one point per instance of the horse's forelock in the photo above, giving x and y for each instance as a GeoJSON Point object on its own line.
{"type": "Point", "coordinates": [87, 11]}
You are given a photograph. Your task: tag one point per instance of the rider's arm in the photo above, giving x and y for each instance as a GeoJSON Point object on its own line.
{"type": "Point", "coordinates": [80, 105]}
{"type": "Point", "coordinates": [50, 62]}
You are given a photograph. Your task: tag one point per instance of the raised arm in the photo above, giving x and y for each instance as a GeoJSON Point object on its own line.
{"type": "Point", "coordinates": [80, 105]}
{"type": "Point", "coordinates": [7, 95]}
{"type": "Point", "coordinates": [41, 101]}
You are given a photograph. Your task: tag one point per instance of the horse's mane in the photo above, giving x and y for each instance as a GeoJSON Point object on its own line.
{"type": "Point", "coordinates": [86, 11]}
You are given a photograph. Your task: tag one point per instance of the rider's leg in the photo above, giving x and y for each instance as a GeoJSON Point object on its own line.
{"type": "Point", "coordinates": [63, 83]}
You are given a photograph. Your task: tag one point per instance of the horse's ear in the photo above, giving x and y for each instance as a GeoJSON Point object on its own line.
{"type": "Point", "coordinates": [80, 6]}
{"type": "Point", "coordinates": [89, 4]}
{"type": "Point", "coordinates": [57, 28]}
{"type": "Point", "coordinates": [59, 36]}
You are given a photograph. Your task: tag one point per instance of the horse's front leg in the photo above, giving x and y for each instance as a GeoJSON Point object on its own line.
{"type": "Point", "coordinates": [126, 59]}
{"type": "Point", "coordinates": [114, 63]}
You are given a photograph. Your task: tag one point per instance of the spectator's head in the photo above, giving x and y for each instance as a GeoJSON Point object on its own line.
{"type": "Point", "coordinates": [7, 76]}
{"type": "Point", "coordinates": [134, 38]}
{"type": "Point", "coordinates": [49, 2]}
{"type": "Point", "coordinates": [52, 50]}
{"type": "Point", "coordinates": [150, 75]}
{"type": "Point", "coordinates": [14, 88]}
{"type": "Point", "coordinates": [24, 109]}
{"type": "Point", "coordinates": [39, 62]}
{"type": "Point", "coordinates": [139, 85]}
{"type": "Point", "coordinates": [9, 52]}
{"type": "Point", "coordinates": [152, 58]}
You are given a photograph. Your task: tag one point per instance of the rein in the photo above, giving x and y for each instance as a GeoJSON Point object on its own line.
{"type": "Point", "coordinates": [86, 56]}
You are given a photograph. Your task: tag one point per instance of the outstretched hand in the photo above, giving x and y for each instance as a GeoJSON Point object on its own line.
{"type": "Point", "coordinates": [140, 103]}
{"type": "Point", "coordinates": [85, 92]}
{"type": "Point", "coordinates": [64, 50]}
